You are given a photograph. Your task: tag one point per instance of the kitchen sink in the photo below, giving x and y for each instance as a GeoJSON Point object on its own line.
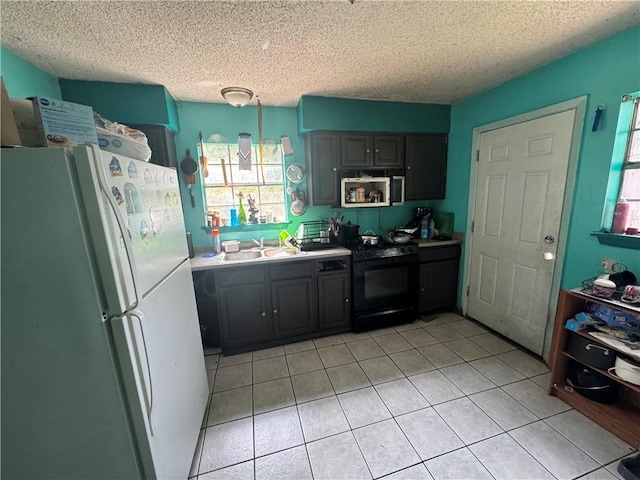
{"type": "Point", "coordinates": [243, 255]}
{"type": "Point", "coordinates": [281, 252]}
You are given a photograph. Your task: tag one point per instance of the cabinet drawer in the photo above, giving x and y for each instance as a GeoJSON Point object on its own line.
{"type": "Point", "coordinates": [290, 270]}
{"type": "Point", "coordinates": [241, 276]}
{"type": "Point", "coordinates": [435, 254]}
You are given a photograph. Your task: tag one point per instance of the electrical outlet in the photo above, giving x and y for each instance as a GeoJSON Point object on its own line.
{"type": "Point", "coordinates": [606, 264]}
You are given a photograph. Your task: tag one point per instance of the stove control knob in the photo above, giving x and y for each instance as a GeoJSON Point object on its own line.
{"type": "Point", "coordinates": [403, 250]}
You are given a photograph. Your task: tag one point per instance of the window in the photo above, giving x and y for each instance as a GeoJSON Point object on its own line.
{"type": "Point", "coordinates": [630, 183]}
{"type": "Point", "coordinates": [268, 195]}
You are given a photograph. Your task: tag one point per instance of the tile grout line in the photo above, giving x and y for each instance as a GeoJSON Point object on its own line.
{"type": "Point", "coordinates": [404, 376]}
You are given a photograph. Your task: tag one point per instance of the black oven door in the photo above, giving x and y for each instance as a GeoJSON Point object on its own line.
{"type": "Point", "coordinates": [385, 283]}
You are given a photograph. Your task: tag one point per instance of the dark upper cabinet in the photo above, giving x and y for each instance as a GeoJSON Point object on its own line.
{"type": "Point", "coordinates": [322, 152]}
{"type": "Point", "coordinates": [426, 167]}
{"type": "Point", "coordinates": [365, 150]}
{"type": "Point", "coordinates": [161, 143]}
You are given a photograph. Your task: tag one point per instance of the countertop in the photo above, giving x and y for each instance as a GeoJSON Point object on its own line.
{"type": "Point", "coordinates": [425, 242]}
{"type": "Point", "coordinates": [200, 262]}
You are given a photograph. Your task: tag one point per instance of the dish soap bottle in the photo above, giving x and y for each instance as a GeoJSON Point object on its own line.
{"type": "Point", "coordinates": [242, 215]}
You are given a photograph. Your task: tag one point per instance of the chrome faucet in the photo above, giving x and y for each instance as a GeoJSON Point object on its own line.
{"type": "Point", "coordinates": [259, 243]}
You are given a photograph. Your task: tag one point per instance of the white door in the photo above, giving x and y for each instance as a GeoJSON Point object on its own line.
{"type": "Point", "coordinates": [521, 179]}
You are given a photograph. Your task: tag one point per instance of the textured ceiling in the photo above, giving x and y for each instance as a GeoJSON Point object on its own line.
{"type": "Point", "coordinates": [408, 51]}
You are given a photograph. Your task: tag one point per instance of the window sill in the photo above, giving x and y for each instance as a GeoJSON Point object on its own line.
{"type": "Point", "coordinates": [249, 227]}
{"type": "Point", "coordinates": [618, 240]}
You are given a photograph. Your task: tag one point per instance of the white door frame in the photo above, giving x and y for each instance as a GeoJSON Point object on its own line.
{"type": "Point", "coordinates": [579, 105]}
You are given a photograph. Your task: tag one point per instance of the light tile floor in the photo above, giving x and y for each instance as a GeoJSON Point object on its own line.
{"type": "Point", "coordinates": [436, 399]}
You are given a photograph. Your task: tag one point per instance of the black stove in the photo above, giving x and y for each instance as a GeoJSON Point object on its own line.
{"type": "Point", "coordinates": [361, 253]}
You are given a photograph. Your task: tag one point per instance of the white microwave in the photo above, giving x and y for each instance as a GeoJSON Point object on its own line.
{"type": "Point", "coordinates": [365, 192]}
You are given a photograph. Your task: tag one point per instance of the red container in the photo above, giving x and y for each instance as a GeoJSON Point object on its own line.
{"type": "Point", "coordinates": [620, 217]}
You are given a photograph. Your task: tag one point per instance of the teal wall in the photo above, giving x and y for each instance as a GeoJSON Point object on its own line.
{"type": "Point", "coordinates": [604, 72]}
{"type": "Point", "coordinates": [23, 79]}
{"type": "Point", "coordinates": [124, 102]}
{"type": "Point", "coordinates": [229, 121]}
{"type": "Point", "coordinates": [326, 113]}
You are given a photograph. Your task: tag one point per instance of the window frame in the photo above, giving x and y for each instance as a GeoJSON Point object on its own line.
{"type": "Point", "coordinates": [634, 126]}
{"type": "Point", "coordinates": [231, 162]}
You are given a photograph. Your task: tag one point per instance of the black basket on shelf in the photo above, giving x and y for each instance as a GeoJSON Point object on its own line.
{"type": "Point", "coordinates": [314, 235]}
{"type": "Point", "coordinates": [590, 288]}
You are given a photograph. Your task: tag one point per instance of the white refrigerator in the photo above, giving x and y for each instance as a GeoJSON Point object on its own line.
{"type": "Point", "coordinates": [103, 371]}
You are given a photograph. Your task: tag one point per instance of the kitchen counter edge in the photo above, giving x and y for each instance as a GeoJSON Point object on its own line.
{"type": "Point", "coordinates": [205, 263]}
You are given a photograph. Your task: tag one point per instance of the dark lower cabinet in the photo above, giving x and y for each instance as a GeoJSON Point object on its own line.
{"type": "Point", "coordinates": [260, 306]}
{"type": "Point", "coordinates": [244, 314]}
{"type": "Point", "coordinates": [293, 304]}
{"type": "Point", "coordinates": [334, 302]}
{"type": "Point", "coordinates": [438, 277]}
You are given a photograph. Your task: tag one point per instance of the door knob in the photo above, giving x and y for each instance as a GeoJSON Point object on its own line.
{"type": "Point", "coordinates": [549, 239]}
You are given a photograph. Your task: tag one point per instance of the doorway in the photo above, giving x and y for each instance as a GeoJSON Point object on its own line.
{"type": "Point", "coordinates": [520, 194]}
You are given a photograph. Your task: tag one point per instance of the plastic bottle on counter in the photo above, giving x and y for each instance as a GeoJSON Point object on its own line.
{"type": "Point", "coordinates": [432, 227]}
{"type": "Point", "coordinates": [217, 246]}
{"type": "Point", "coordinates": [424, 228]}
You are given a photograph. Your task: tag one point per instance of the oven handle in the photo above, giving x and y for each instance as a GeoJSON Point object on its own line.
{"type": "Point", "coordinates": [384, 262]}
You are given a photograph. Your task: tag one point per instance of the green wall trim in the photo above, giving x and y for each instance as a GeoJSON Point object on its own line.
{"type": "Point", "coordinates": [328, 113]}
{"type": "Point", "coordinates": [23, 79]}
{"type": "Point", "coordinates": [123, 102]}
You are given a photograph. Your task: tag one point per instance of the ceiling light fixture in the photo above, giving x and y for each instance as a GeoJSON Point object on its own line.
{"type": "Point", "coordinates": [237, 96]}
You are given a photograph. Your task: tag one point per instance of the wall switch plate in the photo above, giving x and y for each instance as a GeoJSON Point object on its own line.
{"type": "Point", "coordinates": [606, 265]}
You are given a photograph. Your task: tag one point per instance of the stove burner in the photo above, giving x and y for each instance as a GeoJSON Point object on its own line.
{"type": "Point", "coordinates": [366, 252]}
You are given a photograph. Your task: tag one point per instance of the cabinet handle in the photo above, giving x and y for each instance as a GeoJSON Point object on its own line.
{"type": "Point", "coordinates": [408, 167]}
{"type": "Point", "coordinates": [346, 300]}
{"type": "Point", "coordinates": [334, 169]}
{"type": "Point", "coordinates": [377, 151]}
{"type": "Point", "coordinates": [605, 351]}
{"type": "Point", "coordinates": [368, 151]}
{"type": "Point", "coordinates": [275, 310]}
{"type": "Point", "coordinates": [422, 289]}
{"type": "Point", "coordinates": [263, 314]}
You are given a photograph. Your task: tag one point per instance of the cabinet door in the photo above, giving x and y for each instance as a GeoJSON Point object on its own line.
{"type": "Point", "coordinates": [438, 285]}
{"type": "Point", "coordinates": [426, 167]}
{"type": "Point", "coordinates": [322, 152]}
{"type": "Point", "coordinates": [244, 317]}
{"type": "Point", "coordinates": [388, 151]}
{"type": "Point", "coordinates": [334, 302]}
{"type": "Point", "coordinates": [161, 143]}
{"type": "Point", "coordinates": [293, 307]}
{"type": "Point", "coordinates": [356, 150]}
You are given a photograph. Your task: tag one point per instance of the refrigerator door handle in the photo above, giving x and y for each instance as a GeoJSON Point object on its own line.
{"type": "Point", "coordinates": [148, 395]}
{"type": "Point", "coordinates": [144, 387]}
{"type": "Point", "coordinates": [124, 232]}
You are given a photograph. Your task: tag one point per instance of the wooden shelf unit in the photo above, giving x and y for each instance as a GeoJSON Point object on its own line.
{"type": "Point", "coordinates": [621, 418]}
